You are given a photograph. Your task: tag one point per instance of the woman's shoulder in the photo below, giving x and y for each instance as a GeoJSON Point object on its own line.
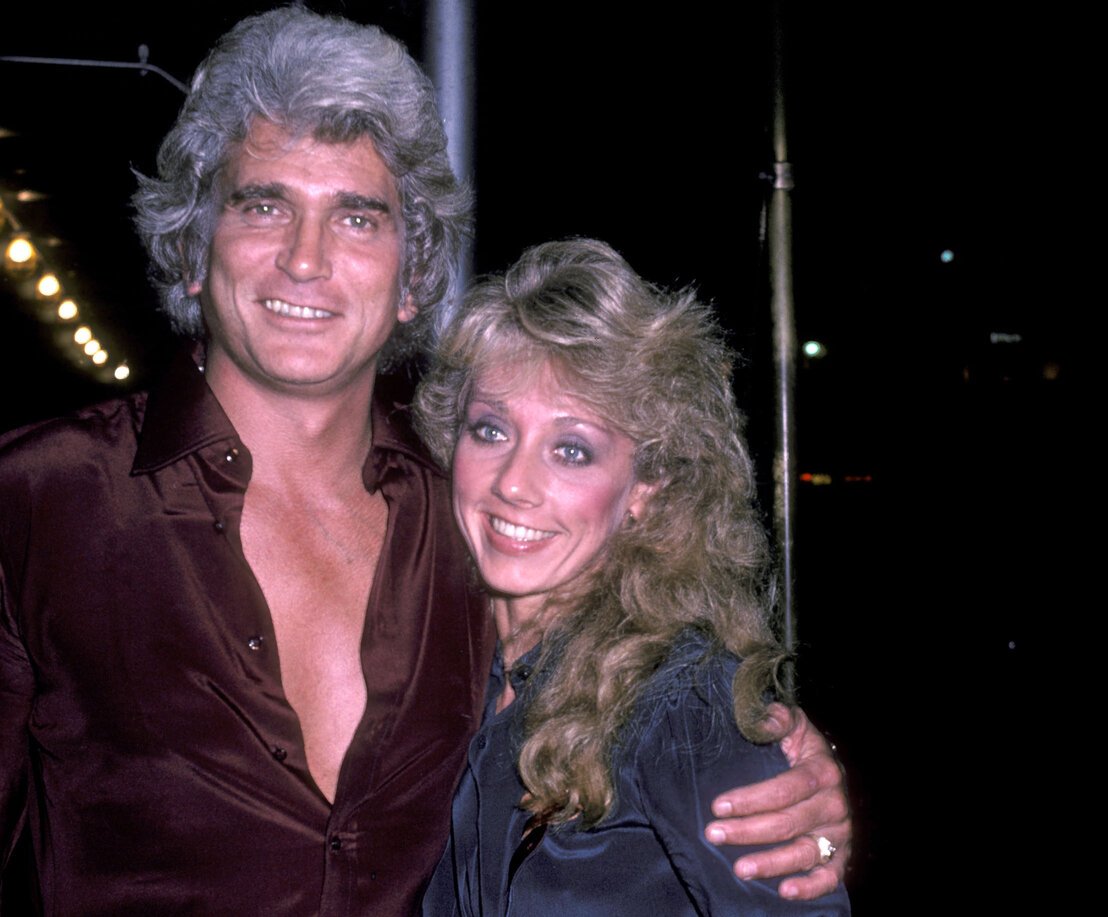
{"type": "Point", "coordinates": [698, 670]}
{"type": "Point", "coordinates": [681, 742]}
{"type": "Point", "coordinates": [686, 707]}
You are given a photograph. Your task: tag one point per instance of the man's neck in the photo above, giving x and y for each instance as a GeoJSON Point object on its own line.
{"type": "Point", "coordinates": [297, 437]}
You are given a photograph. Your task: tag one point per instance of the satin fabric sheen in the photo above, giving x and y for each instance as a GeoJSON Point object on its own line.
{"type": "Point", "coordinates": [649, 856]}
{"type": "Point", "coordinates": [145, 739]}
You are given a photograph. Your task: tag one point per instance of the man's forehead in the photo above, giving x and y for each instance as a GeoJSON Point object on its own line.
{"type": "Point", "coordinates": [268, 142]}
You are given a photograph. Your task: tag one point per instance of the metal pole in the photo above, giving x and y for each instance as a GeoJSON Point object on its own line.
{"type": "Point", "coordinates": [143, 65]}
{"type": "Point", "coordinates": [450, 62]}
{"type": "Point", "coordinates": [784, 342]}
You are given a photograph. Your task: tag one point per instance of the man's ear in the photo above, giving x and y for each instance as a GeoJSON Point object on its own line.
{"type": "Point", "coordinates": [192, 287]}
{"type": "Point", "coordinates": [407, 310]}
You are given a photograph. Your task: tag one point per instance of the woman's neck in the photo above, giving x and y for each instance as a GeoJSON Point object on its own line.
{"type": "Point", "coordinates": [518, 625]}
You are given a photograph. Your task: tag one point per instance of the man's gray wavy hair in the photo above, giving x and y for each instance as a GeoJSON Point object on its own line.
{"type": "Point", "coordinates": [336, 81]}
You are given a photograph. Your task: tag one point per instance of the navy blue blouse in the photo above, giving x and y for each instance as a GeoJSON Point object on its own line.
{"type": "Point", "coordinates": [649, 856]}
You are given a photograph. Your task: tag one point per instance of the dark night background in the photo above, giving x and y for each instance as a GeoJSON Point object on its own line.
{"type": "Point", "coordinates": [934, 598]}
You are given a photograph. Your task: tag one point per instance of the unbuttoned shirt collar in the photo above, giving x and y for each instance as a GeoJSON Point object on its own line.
{"type": "Point", "coordinates": [183, 416]}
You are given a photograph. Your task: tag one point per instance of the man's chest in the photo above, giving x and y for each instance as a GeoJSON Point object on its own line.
{"type": "Point", "coordinates": [315, 565]}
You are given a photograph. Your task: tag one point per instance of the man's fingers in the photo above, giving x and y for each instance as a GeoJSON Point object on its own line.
{"type": "Point", "coordinates": [781, 720]}
{"type": "Point", "coordinates": [802, 856]}
{"type": "Point", "coordinates": [799, 856]}
{"type": "Point", "coordinates": [805, 810]}
{"type": "Point", "coordinates": [751, 830]}
{"type": "Point", "coordinates": [825, 814]}
{"type": "Point", "coordinates": [787, 789]}
{"type": "Point", "coordinates": [820, 881]}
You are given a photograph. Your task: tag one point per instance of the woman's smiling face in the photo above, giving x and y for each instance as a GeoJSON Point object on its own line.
{"type": "Point", "coordinates": [540, 483]}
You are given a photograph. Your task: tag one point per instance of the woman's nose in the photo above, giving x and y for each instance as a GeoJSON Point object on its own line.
{"type": "Point", "coordinates": [520, 479]}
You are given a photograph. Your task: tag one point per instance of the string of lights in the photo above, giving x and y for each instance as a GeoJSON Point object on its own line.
{"type": "Point", "coordinates": [36, 282]}
{"type": "Point", "coordinates": [38, 285]}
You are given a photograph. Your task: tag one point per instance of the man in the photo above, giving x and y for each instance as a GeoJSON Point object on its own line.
{"type": "Point", "coordinates": [239, 661]}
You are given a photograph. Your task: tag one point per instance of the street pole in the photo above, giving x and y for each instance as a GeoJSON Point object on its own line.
{"type": "Point", "coordinates": [784, 346]}
{"type": "Point", "coordinates": [450, 43]}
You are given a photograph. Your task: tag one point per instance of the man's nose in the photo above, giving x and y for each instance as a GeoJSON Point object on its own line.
{"type": "Point", "coordinates": [304, 255]}
{"type": "Point", "coordinates": [521, 480]}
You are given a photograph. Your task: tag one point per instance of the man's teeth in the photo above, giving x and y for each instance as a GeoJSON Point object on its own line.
{"type": "Point", "coordinates": [518, 532]}
{"type": "Point", "coordinates": [283, 308]}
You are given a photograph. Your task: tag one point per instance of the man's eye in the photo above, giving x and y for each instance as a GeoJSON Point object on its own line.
{"type": "Point", "coordinates": [360, 221]}
{"type": "Point", "coordinates": [260, 210]}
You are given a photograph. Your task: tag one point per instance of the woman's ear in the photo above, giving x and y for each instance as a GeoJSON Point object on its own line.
{"type": "Point", "coordinates": [640, 498]}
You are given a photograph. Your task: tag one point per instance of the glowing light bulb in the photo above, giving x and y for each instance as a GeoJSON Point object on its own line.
{"type": "Point", "coordinates": [20, 251]}
{"type": "Point", "coordinates": [92, 347]}
{"type": "Point", "coordinates": [48, 285]}
{"type": "Point", "coordinates": [82, 335]}
{"type": "Point", "coordinates": [100, 357]}
{"type": "Point", "coordinates": [67, 310]}
{"type": "Point", "coordinates": [122, 371]}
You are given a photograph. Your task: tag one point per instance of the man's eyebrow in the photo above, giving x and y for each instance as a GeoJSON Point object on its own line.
{"type": "Point", "coordinates": [274, 190]}
{"type": "Point", "coordinates": [347, 200]}
{"type": "Point", "coordinates": [352, 200]}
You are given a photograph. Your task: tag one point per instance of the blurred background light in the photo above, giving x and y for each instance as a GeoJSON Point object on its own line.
{"type": "Point", "coordinates": [20, 254]}
{"type": "Point", "coordinates": [48, 286]}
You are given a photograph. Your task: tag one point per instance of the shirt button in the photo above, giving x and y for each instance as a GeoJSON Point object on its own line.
{"type": "Point", "coordinates": [231, 455]}
{"type": "Point", "coordinates": [482, 741]}
{"type": "Point", "coordinates": [279, 754]}
{"type": "Point", "coordinates": [218, 526]}
{"type": "Point", "coordinates": [255, 642]}
{"type": "Point", "coordinates": [336, 843]}
{"type": "Point", "coordinates": [518, 676]}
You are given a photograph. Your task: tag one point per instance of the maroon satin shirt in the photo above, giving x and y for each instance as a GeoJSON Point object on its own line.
{"type": "Point", "coordinates": [144, 734]}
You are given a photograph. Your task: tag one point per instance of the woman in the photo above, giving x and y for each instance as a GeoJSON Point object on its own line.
{"type": "Point", "coordinates": [606, 496]}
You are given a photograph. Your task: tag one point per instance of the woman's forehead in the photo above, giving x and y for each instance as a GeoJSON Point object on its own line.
{"type": "Point", "coordinates": [525, 382]}
{"type": "Point", "coordinates": [519, 375]}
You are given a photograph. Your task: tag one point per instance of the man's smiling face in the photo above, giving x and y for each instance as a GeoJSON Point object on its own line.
{"type": "Point", "coordinates": [304, 275]}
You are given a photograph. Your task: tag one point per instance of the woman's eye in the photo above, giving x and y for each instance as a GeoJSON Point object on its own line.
{"type": "Point", "coordinates": [486, 432]}
{"type": "Point", "coordinates": [573, 454]}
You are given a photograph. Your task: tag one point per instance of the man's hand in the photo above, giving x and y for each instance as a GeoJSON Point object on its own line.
{"type": "Point", "coordinates": [801, 805]}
